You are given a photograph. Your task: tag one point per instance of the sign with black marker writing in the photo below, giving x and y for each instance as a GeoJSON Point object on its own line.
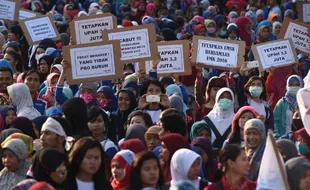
{"type": "Point", "coordinates": [137, 42]}
{"type": "Point", "coordinates": [275, 54]}
{"type": "Point", "coordinates": [298, 32]}
{"type": "Point", "coordinates": [9, 9]}
{"type": "Point", "coordinates": [303, 9]}
{"type": "Point", "coordinates": [174, 58]}
{"type": "Point", "coordinates": [93, 62]}
{"type": "Point", "coordinates": [217, 52]}
{"type": "Point", "coordinates": [89, 29]}
{"type": "Point", "coordinates": [39, 28]}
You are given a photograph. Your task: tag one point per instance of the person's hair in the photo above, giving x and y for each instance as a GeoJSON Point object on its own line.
{"type": "Point", "coordinates": [248, 84]}
{"type": "Point", "coordinates": [221, 23]}
{"type": "Point", "coordinates": [173, 121]}
{"type": "Point", "coordinates": [135, 179]}
{"type": "Point", "coordinates": [146, 117]}
{"type": "Point", "coordinates": [66, 125]}
{"type": "Point", "coordinates": [180, 21]}
{"type": "Point", "coordinates": [6, 69]}
{"type": "Point", "coordinates": [18, 58]}
{"type": "Point", "coordinates": [29, 72]}
{"type": "Point", "coordinates": [229, 152]}
{"type": "Point", "coordinates": [145, 85]}
{"type": "Point", "coordinates": [63, 28]}
{"type": "Point", "coordinates": [76, 157]}
{"type": "Point", "coordinates": [94, 112]}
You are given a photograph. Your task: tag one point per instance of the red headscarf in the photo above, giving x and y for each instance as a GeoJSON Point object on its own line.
{"type": "Point", "coordinates": [241, 22]}
{"type": "Point", "coordinates": [49, 95]}
{"type": "Point", "coordinates": [135, 145]}
{"type": "Point", "coordinates": [198, 27]}
{"type": "Point", "coordinates": [302, 135]}
{"type": "Point", "coordinates": [127, 24]}
{"type": "Point", "coordinates": [139, 14]}
{"type": "Point", "coordinates": [240, 112]}
{"type": "Point", "coordinates": [173, 143]}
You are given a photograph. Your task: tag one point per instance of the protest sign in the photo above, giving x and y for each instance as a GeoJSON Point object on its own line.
{"type": "Point", "coordinates": [24, 14]}
{"type": "Point", "coordinates": [303, 9]}
{"type": "Point", "coordinates": [39, 28]}
{"type": "Point", "coordinates": [218, 53]}
{"type": "Point", "coordinates": [299, 33]}
{"type": "Point", "coordinates": [89, 29]}
{"type": "Point", "coordinates": [277, 53]}
{"type": "Point", "coordinates": [93, 62]}
{"type": "Point", "coordinates": [272, 175]}
{"type": "Point", "coordinates": [303, 97]}
{"type": "Point", "coordinates": [9, 9]}
{"type": "Point", "coordinates": [174, 58]}
{"type": "Point", "coordinates": [137, 42]}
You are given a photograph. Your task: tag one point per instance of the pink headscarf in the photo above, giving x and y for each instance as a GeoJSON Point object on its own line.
{"type": "Point", "coordinates": [199, 19]}
{"type": "Point", "coordinates": [149, 7]}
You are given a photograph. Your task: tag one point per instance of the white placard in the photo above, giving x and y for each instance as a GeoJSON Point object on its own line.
{"type": "Point", "coordinates": [7, 10]}
{"type": "Point", "coordinates": [278, 53]}
{"type": "Point", "coordinates": [90, 30]}
{"type": "Point", "coordinates": [134, 43]}
{"type": "Point", "coordinates": [299, 35]}
{"type": "Point", "coordinates": [94, 61]}
{"type": "Point", "coordinates": [218, 54]}
{"type": "Point", "coordinates": [40, 29]}
{"type": "Point", "coordinates": [306, 12]}
{"type": "Point", "coordinates": [26, 14]}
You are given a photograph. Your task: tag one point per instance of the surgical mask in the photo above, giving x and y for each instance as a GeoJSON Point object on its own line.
{"type": "Point", "coordinates": [103, 102]}
{"type": "Point", "coordinates": [302, 148]}
{"type": "Point", "coordinates": [292, 90]}
{"type": "Point", "coordinates": [211, 30]}
{"type": "Point", "coordinates": [38, 56]}
{"type": "Point", "coordinates": [255, 91]}
{"type": "Point", "coordinates": [225, 104]}
{"type": "Point", "coordinates": [88, 98]}
{"type": "Point", "coordinates": [222, 33]}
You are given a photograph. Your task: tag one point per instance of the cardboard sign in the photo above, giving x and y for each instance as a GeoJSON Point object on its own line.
{"type": "Point", "coordinates": [89, 29]}
{"type": "Point", "coordinates": [93, 62]}
{"type": "Point", "coordinates": [303, 9]}
{"type": "Point", "coordinates": [174, 58]}
{"type": "Point", "coordinates": [277, 53]}
{"type": "Point", "coordinates": [39, 28]}
{"type": "Point", "coordinates": [24, 14]}
{"type": "Point", "coordinates": [218, 53]}
{"type": "Point", "coordinates": [137, 42]}
{"type": "Point", "coordinates": [9, 9]}
{"type": "Point", "coordinates": [299, 33]}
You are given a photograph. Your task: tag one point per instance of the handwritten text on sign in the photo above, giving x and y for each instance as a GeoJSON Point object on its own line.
{"type": "Point", "coordinates": [95, 61]}
{"type": "Point", "coordinates": [7, 10]}
{"type": "Point", "coordinates": [26, 14]}
{"type": "Point", "coordinates": [90, 30]}
{"type": "Point", "coordinates": [306, 12]}
{"type": "Point", "coordinates": [275, 54]}
{"type": "Point", "coordinates": [299, 35]}
{"type": "Point", "coordinates": [217, 53]}
{"type": "Point", "coordinates": [171, 59]}
{"type": "Point", "coordinates": [40, 29]}
{"type": "Point", "coordinates": [134, 44]}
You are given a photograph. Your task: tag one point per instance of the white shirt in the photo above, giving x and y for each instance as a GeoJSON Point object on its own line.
{"type": "Point", "coordinates": [154, 115]}
{"type": "Point", "coordinates": [259, 107]}
{"type": "Point", "coordinates": [288, 122]}
{"type": "Point", "coordinates": [81, 185]}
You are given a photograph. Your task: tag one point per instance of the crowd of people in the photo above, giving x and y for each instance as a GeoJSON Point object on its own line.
{"type": "Point", "coordinates": [208, 130]}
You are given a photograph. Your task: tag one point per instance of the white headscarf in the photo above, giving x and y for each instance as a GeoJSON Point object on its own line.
{"type": "Point", "coordinates": [181, 162]}
{"type": "Point", "coordinates": [222, 119]}
{"type": "Point", "coordinates": [20, 95]}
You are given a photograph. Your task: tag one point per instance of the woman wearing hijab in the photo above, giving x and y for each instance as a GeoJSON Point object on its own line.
{"type": "Point", "coordinates": [168, 34]}
{"type": "Point", "coordinates": [174, 89]}
{"type": "Point", "coordinates": [50, 95]}
{"type": "Point", "coordinates": [302, 142]}
{"type": "Point", "coordinates": [140, 12]}
{"type": "Point", "coordinates": [134, 145]}
{"type": "Point", "coordinates": [136, 131]}
{"type": "Point", "coordinates": [150, 10]}
{"type": "Point", "coordinates": [210, 28]}
{"type": "Point", "coordinates": [200, 30]}
{"type": "Point", "coordinates": [287, 149]}
{"type": "Point", "coordinates": [276, 27]}
{"type": "Point", "coordinates": [126, 104]}
{"type": "Point", "coordinates": [8, 114]}
{"type": "Point", "coordinates": [107, 99]}
{"type": "Point", "coordinates": [287, 106]}
{"type": "Point", "coordinates": [199, 129]}
{"type": "Point", "coordinates": [221, 116]}
{"type": "Point", "coordinates": [14, 158]}
{"type": "Point", "coordinates": [120, 168]}
{"type": "Point", "coordinates": [88, 94]}
{"type": "Point", "coordinates": [185, 166]}
{"type": "Point", "coordinates": [169, 147]}
{"type": "Point", "coordinates": [244, 26]}
{"type": "Point", "coordinates": [244, 114]}
{"type": "Point", "coordinates": [20, 95]}
{"type": "Point", "coordinates": [298, 170]}
{"type": "Point", "coordinates": [263, 34]}
{"type": "Point", "coordinates": [25, 125]}
{"type": "Point", "coordinates": [254, 143]}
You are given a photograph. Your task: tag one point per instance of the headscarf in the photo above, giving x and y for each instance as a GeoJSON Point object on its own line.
{"type": "Point", "coordinates": [135, 145]}
{"type": "Point", "coordinates": [93, 88]}
{"type": "Point", "coordinates": [181, 162]}
{"type": "Point", "coordinates": [139, 14]}
{"type": "Point", "coordinates": [271, 16]}
{"type": "Point", "coordinates": [206, 14]}
{"type": "Point", "coordinates": [175, 89]}
{"type": "Point", "coordinates": [149, 7]}
{"type": "Point", "coordinates": [4, 111]}
{"type": "Point", "coordinates": [296, 169]}
{"type": "Point", "coordinates": [275, 24]}
{"type": "Point", "coordinates": [232, 16]}
{"type": "Point", "coordinates": [197, 127]}
{"type": "Point", "coordinates": [288, 148]}
{"type": "Point", "coordinates": [136, 131]}
{"type": "Point", "coordinates": [39, 121]}
{"type": "Point", "coordinates": [177, 103]}
{"type": "Point", "coordinates": [289, 13]}
{"type": "Point", "coordinates": [6, 63]}
{"type": "Point", "coordinates": [241, 22]}
{"type": "Point", "coordinates": [198, 27]}
{"type": "Point", "coordinates": [8, 178]}
{"type": "Point", "coordinates": [259, 12]}
{"type": "Point", "coordinates": [232, 27]}
{"type": "Point", "coordinates": [25, 138]}
{"type": "Point", "coordinates": [168, 34]}
{"type": "Point", "coordinates": [21, 98]}
{"type": "Point", "coordinates": [149, 20]}
{"type": "Point", "coordinates": [256, 157]}
{"type": "Point", "coordinates": [169, 140]}
{"type": "Point", "coordinates": [292, 100]}
{"type": "Point", "coordinates": [25, 184]}
{"type": "Point", "coordinates": [222, 119]}
{"type": "Point", "coordinates": [241, 111]}
{"type": "Point", "coordinates": [50, 94]}
{"type": "Point", "coordinates": [124, 159]}
{"type": "Point", "coordinates": [109, 95]}
{"type": "Point", "coordinates": [205, 144]}
{"type": "Point", "coordinates": [302, 135]}
{"type": "Point", "coordinates": [7, 132]}
{"type": "Point", "coordinates": [205, 4]}
{"type": "Point", "coordinates": [131, 85]}
{"type": "Point", "coordinates": [54, 110]}
{"type": "Point", "coordinates": [25, 125]}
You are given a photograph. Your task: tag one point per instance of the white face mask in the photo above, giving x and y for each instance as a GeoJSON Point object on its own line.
{"type": "Point", "coordinates": [38, 56]}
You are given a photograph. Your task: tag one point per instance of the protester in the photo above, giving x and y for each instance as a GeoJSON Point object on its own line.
{"type": "Point", "coordinates": [297, 170]}
{"type": "Point", "coordinates": [287, 148]}
{"type": "Point", "coordinates": [151, 137]}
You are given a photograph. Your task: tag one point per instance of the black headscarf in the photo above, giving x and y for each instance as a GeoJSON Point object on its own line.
{"type": "Point", "coordinates": [169, 34]}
